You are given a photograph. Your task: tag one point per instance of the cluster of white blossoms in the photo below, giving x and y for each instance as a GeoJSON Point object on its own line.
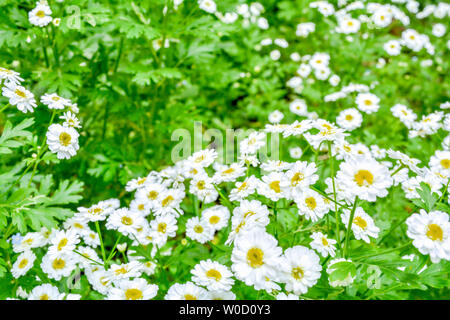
{"type": "Point", "coordinates": [249, 13]}
{"type": "Point", "coordinates": [62, 139]}
{"type": "Point", "coordinates": [153, 218]}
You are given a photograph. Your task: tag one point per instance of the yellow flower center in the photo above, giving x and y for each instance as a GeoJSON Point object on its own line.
{"type": "Point", "coordinates": [190, 297]}
{"type": "Point", "coordinates": [44, 297]}
{"type": "Point", "coordinates": [311, 203]}
{"type": "Point", "coordinates": [297, 273]}
{"type": "Point", "coordinates": [141, 207]}
{"type": "Point", "coordinates": [167, 201]}
{"type": "Point", "coordinates": [363, 177]}
{"type": "Point", "coordinates": [445, 163]}
{"type": "Point", "coordinates": [349, 117]}
{"type": "Point", "coordinates": [120, 271]}
{"type": "Point", "coordinates": [360, 222]}
{"type": "Point", "coordinates": [435, 232]}
{"type": "Point", "coordinates": [65, 139]}
{"type": "Point", "coordinates": [324, 241]}
{"type": "Point", "coordinates": [20, 93]}
{"type": "Point", "coordinates": [213, 273]}
{"type": "Point", "coordinates": [201, 185]}
{"type": "Point", "coordinates": [62, 244]}
{"type": "Point", "coordinates": [214, 220]}
{"type": "Point", "coordinates": [40, 14]}
{"type": "Point", "coordinates": [127, 221]}
{"type": "Point", "coordinates": [58, 264]}
{"type": "Point", "coordinates": [243, 186]}
{"type": "Point", "coordinates": [23, 263]}
{"type": "Point", "coordinates": [133, 294]}
{"type": "Point", "coordinates": [255, 257]}
{"type": "Point", "coordinates": [298, 176]}
{"type": "Point", "coordinates": [275, 186]}
{"type": "Point", "coordinates": [198, 229]}
{"type": "Point", "coordinates": [228, 171]}
{"type": "Point", "coordinates": [152, 195]}
{"type": "Point", "coordinates": [162, 227]}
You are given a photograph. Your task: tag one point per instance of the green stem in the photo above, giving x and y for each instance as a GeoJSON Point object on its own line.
{"type": "Point", "coordinates": [97, 227]}
{"type": "Point", "coordinates": [349, 227]}
{"type": "Point", "coordinates": [112, 253]}
{"type": "Point", "coordinates": [6, 106]}
{"type": "Point", "coordinates": [336, 213]}
{"type": "Point", "coordinates": [41, 149]}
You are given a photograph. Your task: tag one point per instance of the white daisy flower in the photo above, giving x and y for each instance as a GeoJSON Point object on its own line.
{"type": "Point", "coordinates": [212, 275]}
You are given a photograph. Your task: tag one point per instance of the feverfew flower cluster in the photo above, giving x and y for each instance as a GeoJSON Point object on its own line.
{"type": "Point", "coordinates": [62, 139]}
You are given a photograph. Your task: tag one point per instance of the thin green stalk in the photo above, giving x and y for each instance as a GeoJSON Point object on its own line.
{"type": "Point", "coordinates": [41, 150]}
{"type": "Point", "coordinates": [97, 227]}
{"type": "Point", "coordinates": [6, 106]}
{"type": "Point", "coordinates": [336, 213]}
{"type": "Point", "coordinates": [111, 255]}
{"type": "Point", "coordinates": [349, 227]}
{"type": "Point", "coordinates": [87, 257]}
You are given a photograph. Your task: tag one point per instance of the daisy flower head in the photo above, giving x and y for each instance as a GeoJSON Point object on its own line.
{"type": "Point", "coordinates": [63, 242]}
{"type": "Point", "coordinates": [207, 5]}
{"type": "Point", "coordinates": [168, 202]}
{"type": "Point", "coordinates": [430, 233]}
{"type": "Point", "coordinates": [406, 115]}
{"type": "Point", "coordinates": [255, 257]}
{"type": "Point", "coordinates": [162, 228]}
{"type": "Point", "coordinates": [70, 120]}
{"type": "Point", "coordinates": [300, 269]}
{"type": "Point", "coordinates": [363, 226]}
{"type": "Point", "coordinates": [125, 221]}
{"type": "Point", "coordinates": [41, 15]}
{"type": "Point", "coordinates": [53, 101]}
{"type": "Point", "coordinates": [94, 213]}
{"type": "Point", "coordinates": [311, 205]}
{"type": "Point", "coordinates": [297, 128]}
{"type": "Point", "coordinates": [12, 78]}
{"type": "Point", "coordinates": [24, 262]}
{"type": "Point", "coordinates": [117, 272]}
{"type": "Point", "coordinates": [393, 47]}
{"type": "Point", "coordinates": [199, 230]}
{"type": "Point", "coordinates": [217, 216]}
{"type": "Point", "coordinates": [300, 176]}
{"type": "Point", "coordinates": [276, 116]}
{"type": "Point", "coordinates": [348, 25]}
{"type": "Point", "coordinates": [226, 173]}
{"type": "Point", "coordinates": [63, 141]}
{"type": "Point", "coordinates": [274, 186]}
{"type": "Point", "coordinates": [349, 119]}
{"type": "Point", "coordinates": [243, 189]}
{"type": "Point", "coordinates": [136, 289]}
{"type": "Point", "coordinates": [295, 152]}
{"type": "Point", "coordinates": [367, 102]}
{"type": "Point", "coordinates": [202, 187]}
{"type": "Point", "coordinates": [212, 275]}
{"type": "Point", "coordinates": [58, 265]}
{"type": "Point", "coordinates": [324, 245]}
{"type": "Point", "coordinates": [29, 241]}
{"type": "Point", "coordinates": [365, 178]}
{"type": "Point", "coordinates": [20, 97]}
{"type": "Point", "coordinates": [203, 158]}
{"type": "Point", "coordinates": [440, 162]}
{"type": "Point", "coordinates": [252, 143]}
{"type": "Point", "coordinates": [45, 291]}
{"type": "Point", "coordinates": [187, 291]}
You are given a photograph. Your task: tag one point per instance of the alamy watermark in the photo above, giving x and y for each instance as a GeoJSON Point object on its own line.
{"type": "Point", "coordinates": [226, 142]}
